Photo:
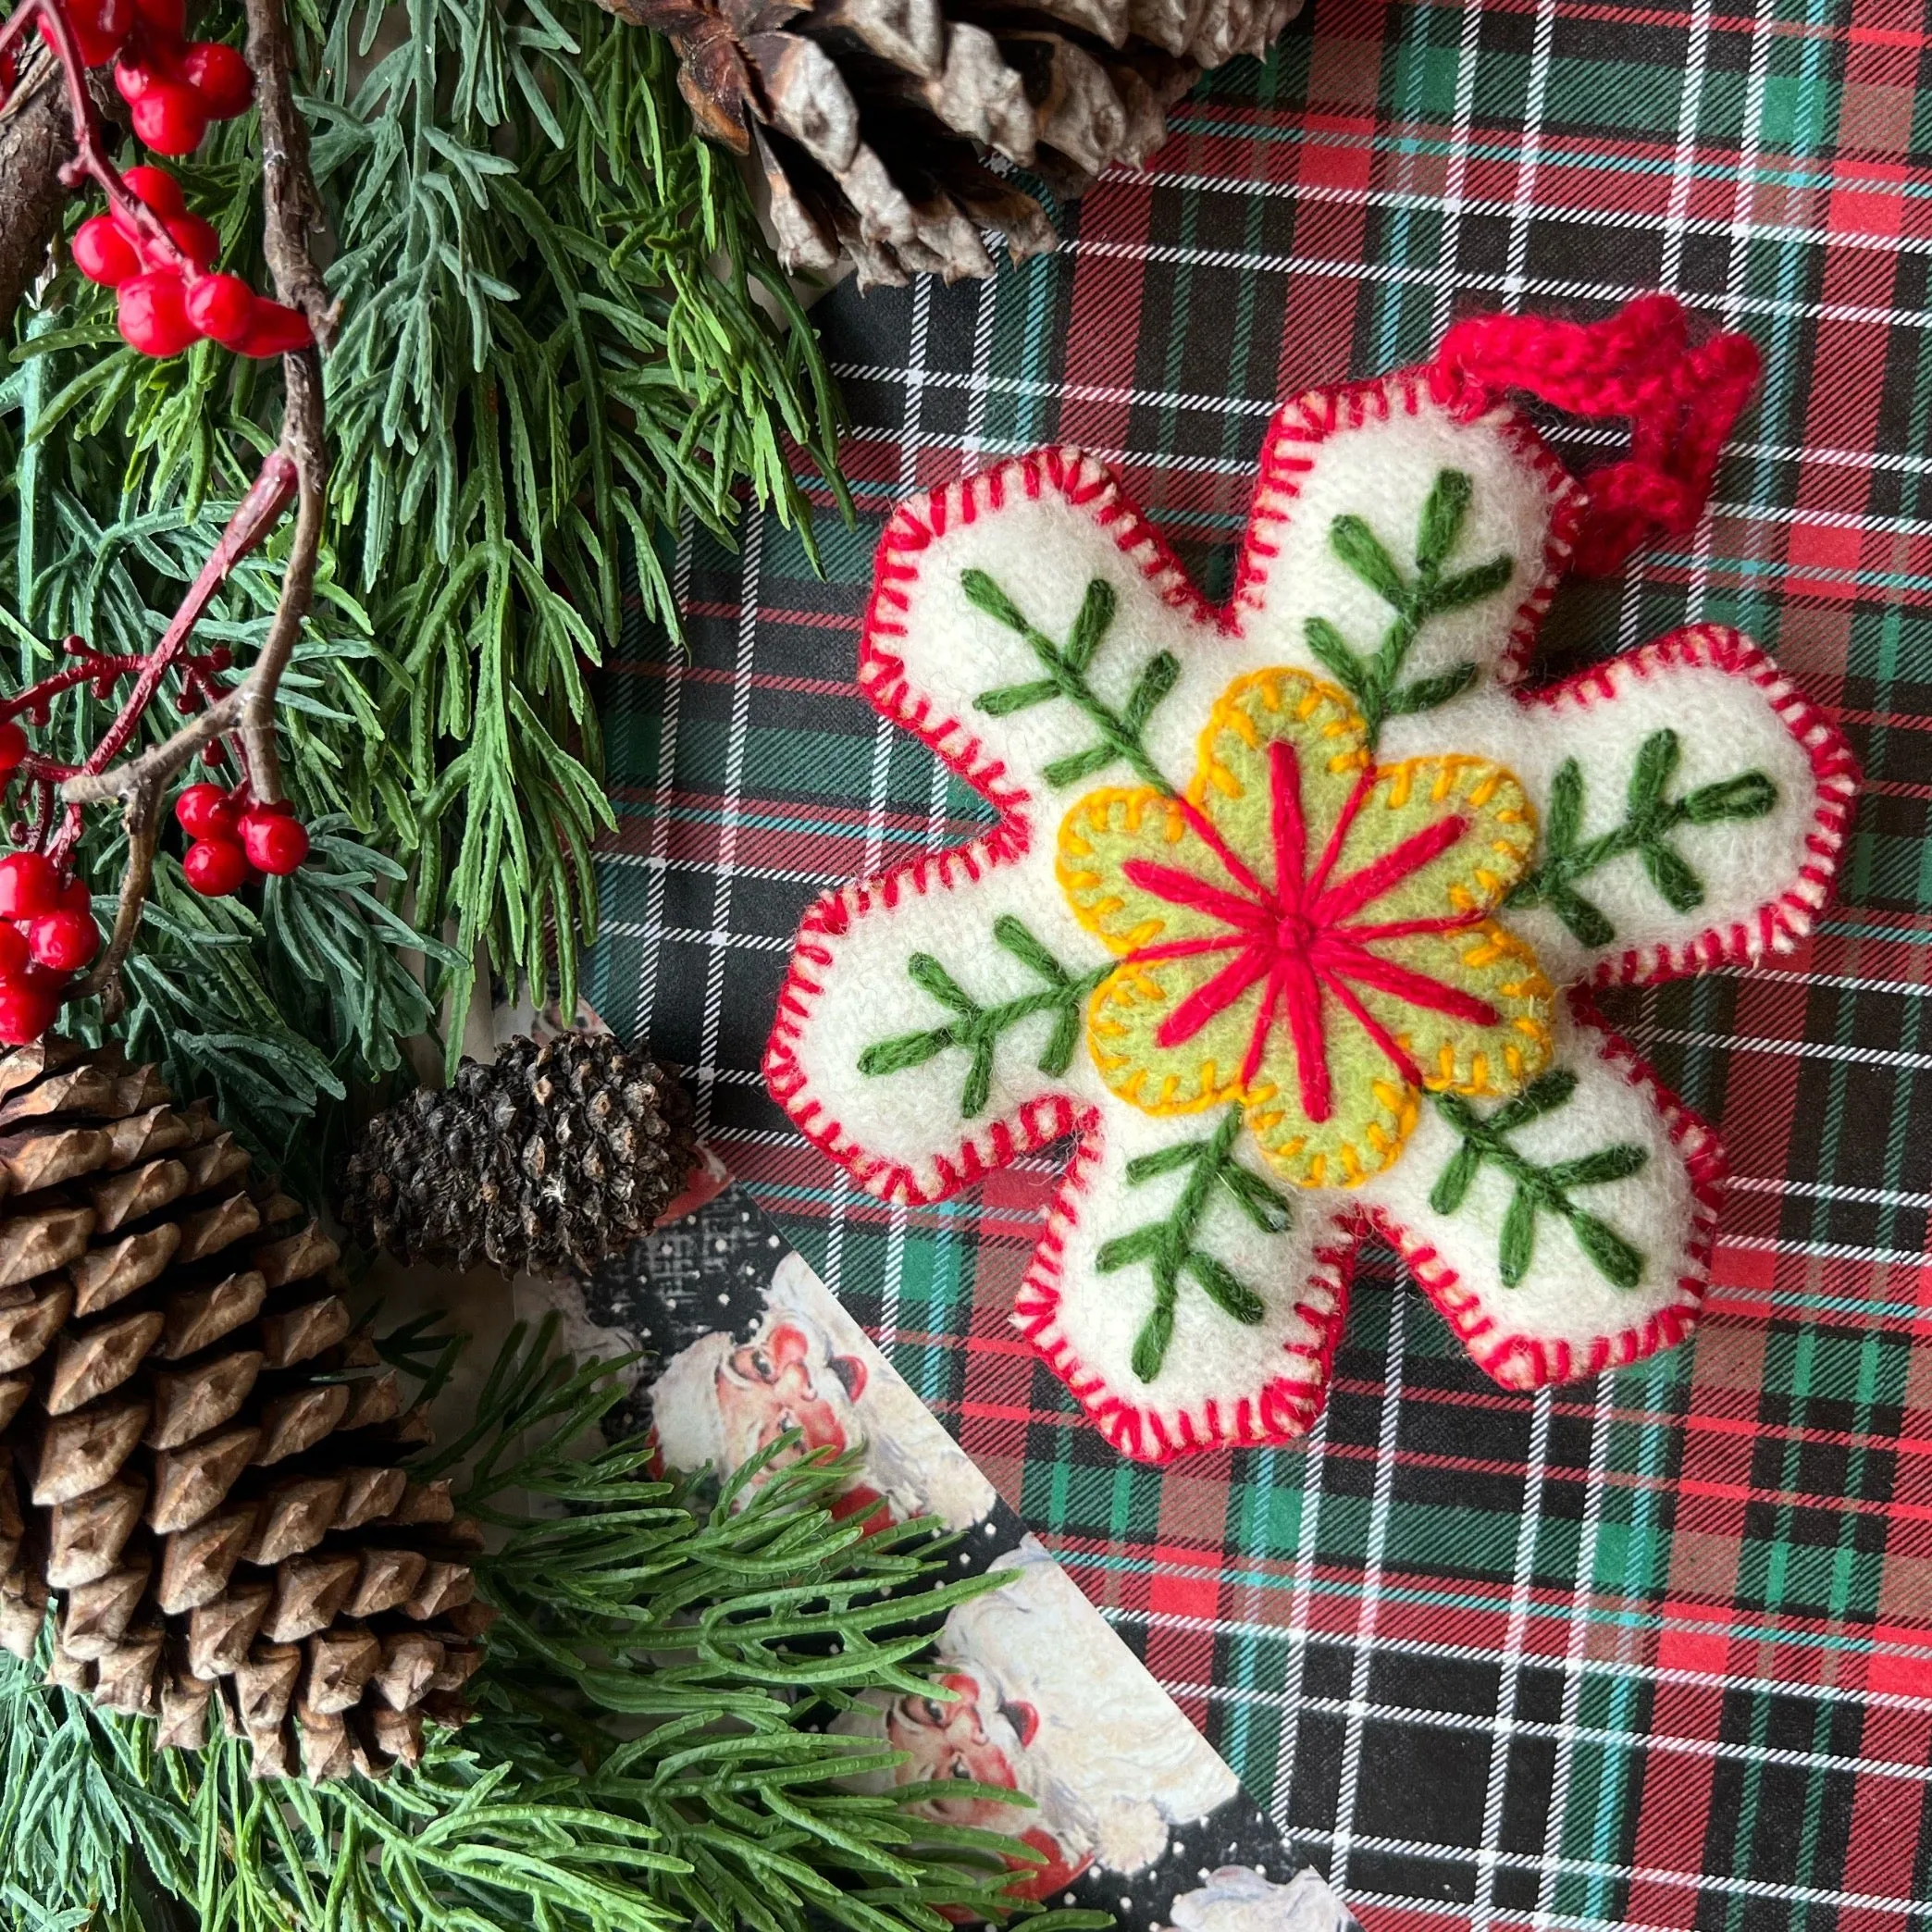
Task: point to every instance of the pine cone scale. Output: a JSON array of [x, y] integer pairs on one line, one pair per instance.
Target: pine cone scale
[[106, 1275], [36, 1244], [31, 1323], [80, 1451], [190, 1482]]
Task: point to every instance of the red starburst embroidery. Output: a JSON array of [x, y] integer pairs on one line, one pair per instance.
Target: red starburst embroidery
[[1302, 940]]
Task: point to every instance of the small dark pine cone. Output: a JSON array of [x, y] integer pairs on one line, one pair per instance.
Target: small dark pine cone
[[548, 1160]]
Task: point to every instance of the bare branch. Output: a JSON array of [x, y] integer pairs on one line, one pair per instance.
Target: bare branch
[[256, 517], [302, 440], [143, 829], [291, 207]]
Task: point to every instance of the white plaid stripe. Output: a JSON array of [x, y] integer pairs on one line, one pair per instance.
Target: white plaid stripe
[[1574, 1656], [666, 776], [1369, 1606], [1308, 1531], [707, 1070]]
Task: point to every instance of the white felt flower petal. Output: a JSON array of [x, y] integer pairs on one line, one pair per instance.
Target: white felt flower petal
[[1258, 1294], [977, 943], [1691, 803], [1569, 1230], [1370, 457], [1030, 625]]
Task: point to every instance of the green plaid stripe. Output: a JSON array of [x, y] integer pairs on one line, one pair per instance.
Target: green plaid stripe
[[1656, 1650]]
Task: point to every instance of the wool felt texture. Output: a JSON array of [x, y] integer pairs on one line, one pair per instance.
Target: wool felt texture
[[1277, 911]]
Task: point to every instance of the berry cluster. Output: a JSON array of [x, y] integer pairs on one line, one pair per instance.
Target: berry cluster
[[47, 931], [173, 86], [234, 842], [165, 308], [47, 934]]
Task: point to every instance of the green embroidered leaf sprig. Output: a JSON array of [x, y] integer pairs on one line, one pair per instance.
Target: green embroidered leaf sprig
[[1539, 1190], [1651, 815], [1167, 1246], [1066, 667], [978, 1028], [1372, 681]]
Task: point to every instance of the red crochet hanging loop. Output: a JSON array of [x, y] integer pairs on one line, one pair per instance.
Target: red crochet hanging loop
[[1680, 402]]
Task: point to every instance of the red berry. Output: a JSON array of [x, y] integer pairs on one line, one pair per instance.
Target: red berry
[[170, 117], [170, 16], [13, 950], [215, 867], [13, 747], [158, 188], [275, 330], [63, 941], [27, 1009], [76, 897], [114, 20], [153, 315], [220, 76], [273, 839], [206, 811], [98, 28], [222, 306], [95, 49], [133, 78], [29, 886], [102, 254], [195, 237]]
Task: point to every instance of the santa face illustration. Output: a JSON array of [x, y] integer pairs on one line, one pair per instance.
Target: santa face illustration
[[772, 1383], [976, 1737], [948, 1741]]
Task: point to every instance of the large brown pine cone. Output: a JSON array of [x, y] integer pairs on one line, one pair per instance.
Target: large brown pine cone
[[551, 1157], [872, 119], [216, 1504]]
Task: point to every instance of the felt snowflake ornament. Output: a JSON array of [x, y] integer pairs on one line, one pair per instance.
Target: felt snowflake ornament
[[1289, 907]]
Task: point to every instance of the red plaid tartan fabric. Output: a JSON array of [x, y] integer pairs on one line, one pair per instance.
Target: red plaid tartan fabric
[[1655, 1650]]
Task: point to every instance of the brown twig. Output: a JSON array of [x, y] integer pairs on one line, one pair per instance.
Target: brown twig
[[143, 822], [289, 200], [256, 517]]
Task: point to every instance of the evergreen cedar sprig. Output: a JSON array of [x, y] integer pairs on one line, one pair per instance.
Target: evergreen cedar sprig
[[547, 369], [1372, 681], [1538, 1189], [551, 365], [1650, 817], [724, 1633], [978, 1028], [1167, 1246], [294, 470]]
